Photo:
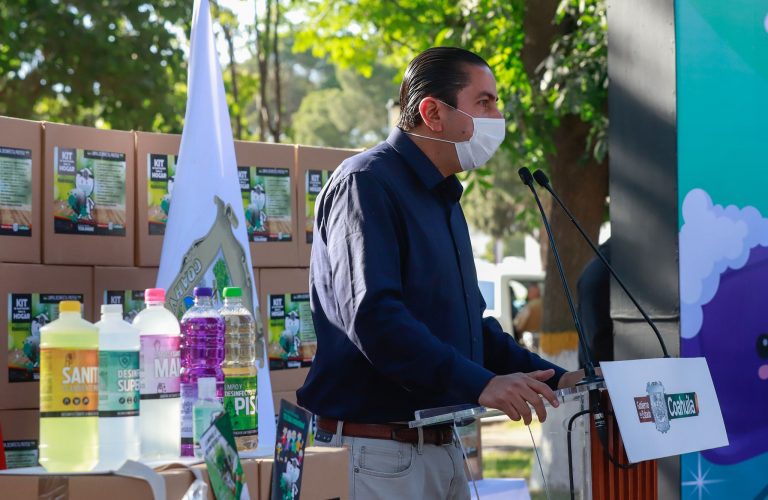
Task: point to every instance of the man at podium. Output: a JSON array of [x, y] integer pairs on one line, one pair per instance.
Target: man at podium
[[394, 293]]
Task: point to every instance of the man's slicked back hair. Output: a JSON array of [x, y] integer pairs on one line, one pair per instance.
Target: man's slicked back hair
[[439, 72]]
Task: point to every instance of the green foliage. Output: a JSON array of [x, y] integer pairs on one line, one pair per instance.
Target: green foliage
[[571, 80], [111, 63], [351, 115]]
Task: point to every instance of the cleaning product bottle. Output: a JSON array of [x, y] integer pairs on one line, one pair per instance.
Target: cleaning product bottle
[[69, 392], [202, 351], [240, 382], [118, 389], [205, 410], [159, 369]]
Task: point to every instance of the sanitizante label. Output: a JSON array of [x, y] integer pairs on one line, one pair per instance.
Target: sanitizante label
[[69, 382]]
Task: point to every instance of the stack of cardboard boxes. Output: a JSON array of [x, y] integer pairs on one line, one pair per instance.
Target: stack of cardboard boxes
[[82, 216]]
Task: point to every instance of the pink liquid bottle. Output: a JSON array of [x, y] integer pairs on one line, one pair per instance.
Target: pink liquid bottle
[[202, 352]]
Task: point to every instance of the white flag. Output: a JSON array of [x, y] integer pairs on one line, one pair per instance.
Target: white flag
[[205, 240]]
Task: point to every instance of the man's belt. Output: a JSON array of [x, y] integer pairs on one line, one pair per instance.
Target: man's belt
[[437, 434]]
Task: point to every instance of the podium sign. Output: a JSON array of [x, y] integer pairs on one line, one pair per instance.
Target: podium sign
[[665, 406]]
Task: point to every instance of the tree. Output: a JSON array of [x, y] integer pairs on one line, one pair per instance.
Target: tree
[[112, 63], [351, 115], [549, 58]]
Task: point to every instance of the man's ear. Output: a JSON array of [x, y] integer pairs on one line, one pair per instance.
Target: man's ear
[[430, 111]]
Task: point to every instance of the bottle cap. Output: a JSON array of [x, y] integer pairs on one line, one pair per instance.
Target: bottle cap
[[112, 309], [232, 291], [203, 291], [206, 388], [69, 306], [154, 295]]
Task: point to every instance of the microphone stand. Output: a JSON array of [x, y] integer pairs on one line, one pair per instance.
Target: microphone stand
[[543, 181], [589, 369]]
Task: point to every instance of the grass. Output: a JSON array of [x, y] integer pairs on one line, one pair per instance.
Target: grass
[[510, 464]]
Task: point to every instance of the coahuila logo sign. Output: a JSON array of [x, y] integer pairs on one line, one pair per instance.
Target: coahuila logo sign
[[659, 407]]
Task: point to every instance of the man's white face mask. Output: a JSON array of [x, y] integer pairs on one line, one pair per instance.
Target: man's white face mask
[[487, 136]]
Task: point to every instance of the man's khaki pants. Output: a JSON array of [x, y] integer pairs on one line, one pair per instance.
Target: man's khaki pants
[[386, 469]]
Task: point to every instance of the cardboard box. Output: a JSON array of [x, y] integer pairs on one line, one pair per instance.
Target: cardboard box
[[288, 380], [177, 481], [287, 320], [314, 166], [124, 286], [277, 396], [20, 171], [156, 157], [30, 294], [267, 174], [325, 474], [21, 431], [88, 196]]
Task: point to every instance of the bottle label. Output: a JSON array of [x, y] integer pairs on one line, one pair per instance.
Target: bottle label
[[240, 403], [69, 382], [118, 383], [188, 400], [159, 366]]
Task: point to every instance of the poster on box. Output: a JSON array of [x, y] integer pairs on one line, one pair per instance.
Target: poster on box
[[292, 339], [20, 453], [15, 192], [314, 182], [89, 192], [292, 432], [161, 172], [266, 196], [222, 461], [131, 300], [27, 314]]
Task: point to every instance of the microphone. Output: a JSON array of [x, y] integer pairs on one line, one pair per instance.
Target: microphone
[[543, 181], [589, 368]]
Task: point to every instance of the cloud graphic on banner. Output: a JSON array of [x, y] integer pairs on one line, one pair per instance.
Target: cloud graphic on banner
[[713, 239]]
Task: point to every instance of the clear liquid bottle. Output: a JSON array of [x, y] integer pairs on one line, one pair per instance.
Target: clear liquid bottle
[[240, 374], [69, 392], [159, 370], [205, 410], [202, 351], [119, 389]]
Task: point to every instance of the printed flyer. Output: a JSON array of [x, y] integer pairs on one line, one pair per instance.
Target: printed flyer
[[292, 339], [222, 461], [15, 192], [161, 171], [267, 201], [89, 192], [313, 184], [292, 432], [27, 314]]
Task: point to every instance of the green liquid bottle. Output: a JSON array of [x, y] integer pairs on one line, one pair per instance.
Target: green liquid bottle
[[239, 367], [69, 392]]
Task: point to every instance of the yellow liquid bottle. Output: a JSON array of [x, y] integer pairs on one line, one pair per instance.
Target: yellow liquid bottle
[[69, 392]]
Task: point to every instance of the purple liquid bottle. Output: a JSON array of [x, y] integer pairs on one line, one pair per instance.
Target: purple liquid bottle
[[202, 351]]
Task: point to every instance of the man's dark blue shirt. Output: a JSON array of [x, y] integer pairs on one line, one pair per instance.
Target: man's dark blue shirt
[[394, 294]]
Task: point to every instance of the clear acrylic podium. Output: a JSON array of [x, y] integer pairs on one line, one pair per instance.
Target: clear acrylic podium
[[592, 474]]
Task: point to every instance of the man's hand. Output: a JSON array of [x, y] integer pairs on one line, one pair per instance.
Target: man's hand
[[569, 379], [514, 392]]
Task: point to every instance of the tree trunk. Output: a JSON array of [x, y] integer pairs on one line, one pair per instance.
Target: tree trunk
[[583, 188], [233, 74], [277, 129], [261, 57]]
